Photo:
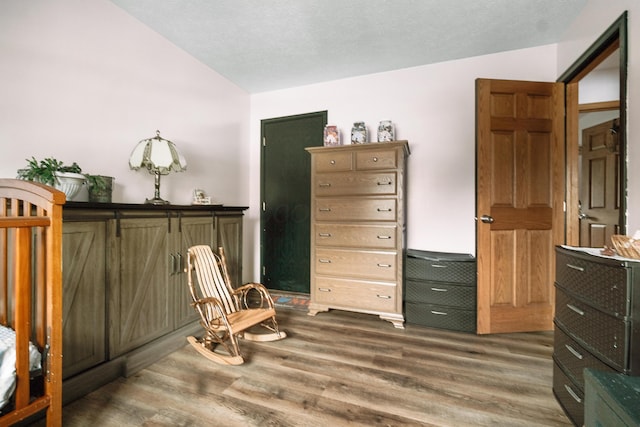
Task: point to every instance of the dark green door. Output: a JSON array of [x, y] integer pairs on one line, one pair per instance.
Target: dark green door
[[285, 199]]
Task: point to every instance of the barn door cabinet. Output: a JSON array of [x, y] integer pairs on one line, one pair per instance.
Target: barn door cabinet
[[126, 299], [358, 228]]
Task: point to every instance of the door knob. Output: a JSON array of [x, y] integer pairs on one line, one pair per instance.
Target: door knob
[[487, 219]]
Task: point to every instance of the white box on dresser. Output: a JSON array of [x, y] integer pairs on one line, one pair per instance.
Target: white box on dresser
[[358, 228]]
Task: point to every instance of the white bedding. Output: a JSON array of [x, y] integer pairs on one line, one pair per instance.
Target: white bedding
[[8, 363]]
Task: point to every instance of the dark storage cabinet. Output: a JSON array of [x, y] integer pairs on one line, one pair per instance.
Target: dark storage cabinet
[[597, 324], [440, 290]]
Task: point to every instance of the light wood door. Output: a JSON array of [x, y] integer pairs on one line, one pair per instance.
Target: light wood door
[[520, 194], [599, 184]]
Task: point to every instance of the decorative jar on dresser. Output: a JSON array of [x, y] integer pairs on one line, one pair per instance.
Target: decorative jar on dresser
[[597, 322], [358, 228]]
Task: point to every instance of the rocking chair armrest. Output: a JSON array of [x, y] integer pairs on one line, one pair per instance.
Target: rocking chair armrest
[[243, 291], [208, 300]]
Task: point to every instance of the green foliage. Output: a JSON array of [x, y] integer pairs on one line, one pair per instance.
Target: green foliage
[[96, 182], [44, 170]]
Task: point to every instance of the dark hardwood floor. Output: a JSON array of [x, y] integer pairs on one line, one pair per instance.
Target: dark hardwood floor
[[340, 368]]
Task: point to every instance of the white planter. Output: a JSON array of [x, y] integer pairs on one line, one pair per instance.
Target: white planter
[[69, 183]]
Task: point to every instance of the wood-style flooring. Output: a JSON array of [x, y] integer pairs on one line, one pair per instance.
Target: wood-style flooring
[[341, 369]]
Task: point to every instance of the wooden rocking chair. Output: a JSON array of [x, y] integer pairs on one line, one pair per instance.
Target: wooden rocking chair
[[226, 313]]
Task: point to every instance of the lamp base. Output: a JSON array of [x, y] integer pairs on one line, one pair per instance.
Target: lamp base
[[156, 201]]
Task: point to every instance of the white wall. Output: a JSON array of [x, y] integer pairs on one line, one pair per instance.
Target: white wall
[[592, 22], [433, 108], [80, 80]]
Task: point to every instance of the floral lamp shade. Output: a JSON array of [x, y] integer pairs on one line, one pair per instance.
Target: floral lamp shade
[[159, 156]]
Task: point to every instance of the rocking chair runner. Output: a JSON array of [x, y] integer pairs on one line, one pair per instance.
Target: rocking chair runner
[[226, 313]]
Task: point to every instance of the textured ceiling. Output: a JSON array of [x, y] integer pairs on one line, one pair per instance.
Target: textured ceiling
[[263, 45]]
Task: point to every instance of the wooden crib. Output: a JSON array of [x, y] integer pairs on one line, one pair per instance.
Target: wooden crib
[[31, 293]]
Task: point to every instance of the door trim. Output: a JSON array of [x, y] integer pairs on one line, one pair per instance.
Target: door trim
[[614, 37]]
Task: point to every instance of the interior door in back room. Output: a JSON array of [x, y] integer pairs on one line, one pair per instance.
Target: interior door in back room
[[285, 195]]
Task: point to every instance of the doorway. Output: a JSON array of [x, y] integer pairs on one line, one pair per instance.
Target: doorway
[[285, 196], [610, 50]]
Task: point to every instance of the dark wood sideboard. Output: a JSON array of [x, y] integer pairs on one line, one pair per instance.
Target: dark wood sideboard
[[126, 300]]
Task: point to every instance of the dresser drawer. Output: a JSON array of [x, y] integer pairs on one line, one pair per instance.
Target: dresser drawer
[[355, 209], [600, 333], [356, 294], [440, 266], [453, 295], [354, 235], [604, 286], [376, 159], [574, 358], [333, 162], [371, 265], [569, 396], [355, 183], [437, 316]]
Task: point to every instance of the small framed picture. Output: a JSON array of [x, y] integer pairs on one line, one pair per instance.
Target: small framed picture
[[331, 135], [200, 197]]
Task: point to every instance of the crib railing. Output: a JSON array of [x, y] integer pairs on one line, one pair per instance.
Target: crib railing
[[31, 290]]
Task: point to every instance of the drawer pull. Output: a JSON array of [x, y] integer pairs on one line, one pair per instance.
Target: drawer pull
[[575, 267], [324, 261], [384, 265], [324, 234], [385, 183], [438, 266], [325, 209], [573, 351], [375, 159], [324, 184], [573, 394], [384, 296], [439, 290], [324, 289], [332, 162], [576, 309], [384, 237], [384, 210], [439, 313]]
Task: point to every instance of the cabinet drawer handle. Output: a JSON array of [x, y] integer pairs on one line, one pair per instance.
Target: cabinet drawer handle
[[573, 394], [332, 162], [324, 289], [439, 290], [438, 266], [375, 159], [324, 234], [385, 183], [181, 268], [575, 267], [325, 209], [384, 237], [384, 265], [573, 351], [173, 264], [439, 313], [324, 261], [384, 296], [324, 184], [576, 309], [384, 209]]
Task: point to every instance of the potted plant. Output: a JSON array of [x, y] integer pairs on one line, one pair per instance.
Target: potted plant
[[99, 188], [55, 173]]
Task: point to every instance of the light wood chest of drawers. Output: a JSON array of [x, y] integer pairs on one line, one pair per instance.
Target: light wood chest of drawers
[[358, 228]]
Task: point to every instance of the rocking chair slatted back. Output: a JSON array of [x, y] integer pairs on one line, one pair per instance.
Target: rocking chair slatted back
[[211, 275]]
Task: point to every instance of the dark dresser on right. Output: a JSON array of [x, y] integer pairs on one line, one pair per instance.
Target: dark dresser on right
[[597, 322]]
